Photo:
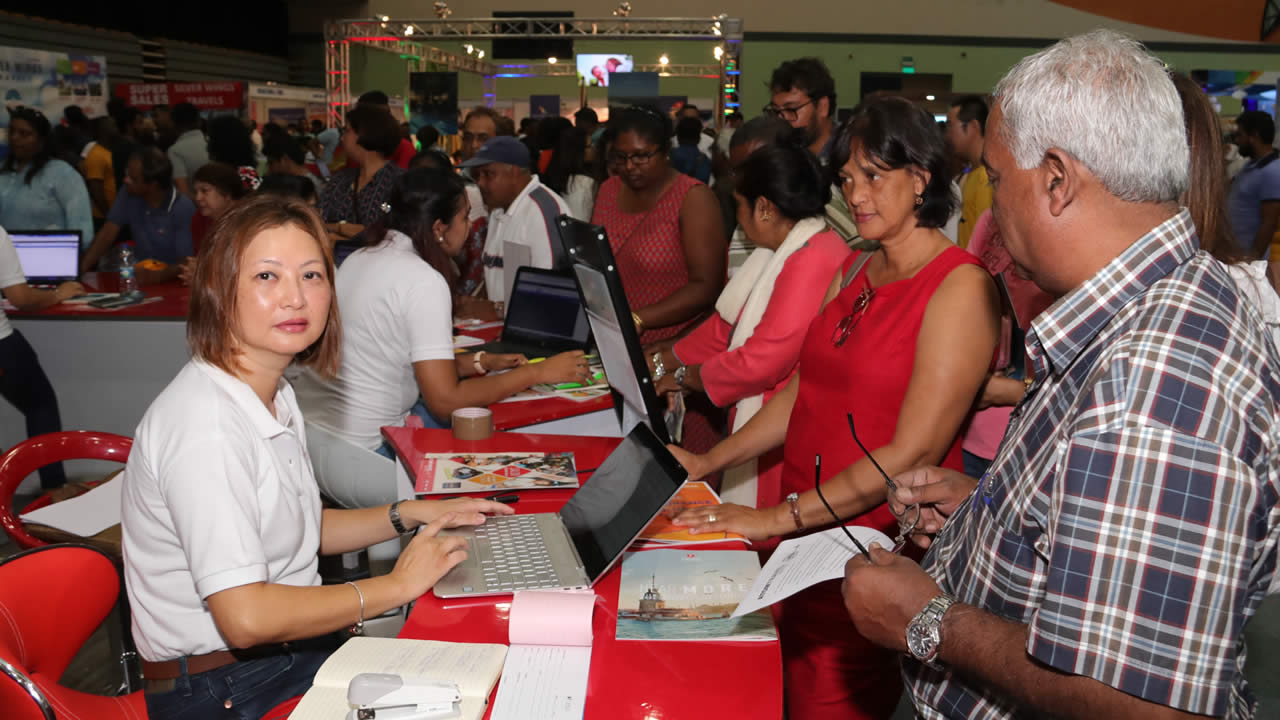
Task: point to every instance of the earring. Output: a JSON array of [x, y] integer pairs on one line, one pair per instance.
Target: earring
[[919, 200], [440, 239]]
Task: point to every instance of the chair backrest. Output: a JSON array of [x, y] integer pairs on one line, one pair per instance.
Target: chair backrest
[[52, 598], [350, 475], [34, 453]]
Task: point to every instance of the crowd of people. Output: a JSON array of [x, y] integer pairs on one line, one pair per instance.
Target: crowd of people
[[1035, 345]]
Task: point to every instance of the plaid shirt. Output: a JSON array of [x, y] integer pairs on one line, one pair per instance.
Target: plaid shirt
[[1130, 515]]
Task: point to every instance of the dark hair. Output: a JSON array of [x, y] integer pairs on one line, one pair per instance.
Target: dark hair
[[504, 125], [418, 199], [734, 115], [155, 166], [586, 114], [789, 176], [897, 134], [808, 75], [1257, 124], [128, 116], [271, 132], [375, 128], [75, 116], [230, 142], [316, 127], [972, 107], [549, 130], [526, 123], [428, 135], [482, 111], [1206, 194], [690, 106], [211, 319], [433, 158], [223, 177], [374, 97], [282, 147], [764, 129], [285, 185], [186, 116], [688, 131], [568, 158], [649, 124], [40, 125], [104, 131]]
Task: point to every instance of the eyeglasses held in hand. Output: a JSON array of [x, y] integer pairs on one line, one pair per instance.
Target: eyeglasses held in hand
[[850, 321], [910, 516], [817, 487]]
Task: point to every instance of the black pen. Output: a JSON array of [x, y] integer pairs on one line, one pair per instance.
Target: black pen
[[508, 498]]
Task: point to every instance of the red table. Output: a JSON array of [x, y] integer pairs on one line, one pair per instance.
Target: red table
[[171, 305], [515, 415], [629, 679]]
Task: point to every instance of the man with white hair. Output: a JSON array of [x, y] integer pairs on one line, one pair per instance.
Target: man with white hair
[[1106, 564]]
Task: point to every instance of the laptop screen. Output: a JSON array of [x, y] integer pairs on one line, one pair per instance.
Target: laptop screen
[[545, 306], [48, 256], [622, 497]]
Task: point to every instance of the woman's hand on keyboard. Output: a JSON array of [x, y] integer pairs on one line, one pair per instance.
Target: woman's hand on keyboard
[[466, 511], [427, 557]]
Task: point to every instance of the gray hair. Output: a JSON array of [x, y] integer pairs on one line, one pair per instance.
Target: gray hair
[[1102, 98]]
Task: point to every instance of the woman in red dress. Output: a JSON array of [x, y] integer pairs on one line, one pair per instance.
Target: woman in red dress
[[747, 350], [667, 238], [904, 344]]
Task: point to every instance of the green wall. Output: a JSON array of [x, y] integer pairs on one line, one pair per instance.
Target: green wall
[[974, 68]]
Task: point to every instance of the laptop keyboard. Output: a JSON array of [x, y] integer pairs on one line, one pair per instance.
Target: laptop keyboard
[[513, 555]]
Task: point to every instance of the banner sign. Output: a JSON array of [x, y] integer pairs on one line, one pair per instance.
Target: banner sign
[[544, 106], [204, 95], [51, 81], [433, 100]]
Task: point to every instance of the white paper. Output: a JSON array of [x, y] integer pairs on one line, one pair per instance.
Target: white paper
[[84, 515], [476, 324], [803, 562], [465, 341], [543, 681]]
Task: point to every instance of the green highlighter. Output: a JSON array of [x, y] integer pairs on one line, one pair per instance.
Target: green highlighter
[[595, 379]]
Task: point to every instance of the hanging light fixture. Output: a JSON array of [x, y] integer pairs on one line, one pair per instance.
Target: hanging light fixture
[[552, 60], [624, 9], [479, 54], [718, 52], [664, 60], [408, 30], [442, 9]]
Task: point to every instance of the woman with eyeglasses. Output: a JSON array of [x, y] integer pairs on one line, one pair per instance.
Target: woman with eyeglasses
[[747, 350], [37, 190], [667, 238], [903, 346]]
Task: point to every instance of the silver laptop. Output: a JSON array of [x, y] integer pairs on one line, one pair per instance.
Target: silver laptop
[[575, 547]]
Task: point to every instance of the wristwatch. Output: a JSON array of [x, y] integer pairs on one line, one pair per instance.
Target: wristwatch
[[680, 373], [394, 512], [658, 368], [923, 636]]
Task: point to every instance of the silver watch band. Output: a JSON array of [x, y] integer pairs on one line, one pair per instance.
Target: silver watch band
[[394, 513]]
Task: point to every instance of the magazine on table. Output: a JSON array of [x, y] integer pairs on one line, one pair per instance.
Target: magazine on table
[[476, 472], [663, 532], [690, 595]]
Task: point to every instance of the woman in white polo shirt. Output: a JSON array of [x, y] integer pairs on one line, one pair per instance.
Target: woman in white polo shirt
[[396, 300], [221, 515]]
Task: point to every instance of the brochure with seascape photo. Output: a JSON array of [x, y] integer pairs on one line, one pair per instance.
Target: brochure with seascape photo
[[477, 472], [690, 595]]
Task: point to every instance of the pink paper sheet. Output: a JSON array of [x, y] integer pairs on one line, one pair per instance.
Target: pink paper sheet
[[551, 617]]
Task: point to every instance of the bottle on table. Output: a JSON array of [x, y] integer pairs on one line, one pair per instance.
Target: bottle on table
[[128, 281]]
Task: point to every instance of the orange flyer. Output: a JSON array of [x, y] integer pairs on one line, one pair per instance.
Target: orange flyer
[[692, 494]]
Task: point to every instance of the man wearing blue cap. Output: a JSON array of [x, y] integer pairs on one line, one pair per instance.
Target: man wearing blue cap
[[521, 210]]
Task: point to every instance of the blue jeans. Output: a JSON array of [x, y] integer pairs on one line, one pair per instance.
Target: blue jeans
[[974, 466], [252, 687], [428, 421]]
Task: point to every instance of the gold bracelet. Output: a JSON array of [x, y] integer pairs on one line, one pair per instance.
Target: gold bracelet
[[638, 322]]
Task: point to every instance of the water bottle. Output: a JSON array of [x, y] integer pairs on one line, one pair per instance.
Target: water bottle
[[128, 282]]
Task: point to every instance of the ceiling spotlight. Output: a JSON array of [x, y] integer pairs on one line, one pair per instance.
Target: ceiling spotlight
[[718, 52], [408, 30], [385, 18], [442, 9], [930, 98], [552, 60], [469, 48], [624, 9], [664, 59], [479, 54]]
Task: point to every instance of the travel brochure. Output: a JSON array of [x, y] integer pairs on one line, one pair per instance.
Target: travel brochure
[[663, 532], [476, 472], [690, 595]]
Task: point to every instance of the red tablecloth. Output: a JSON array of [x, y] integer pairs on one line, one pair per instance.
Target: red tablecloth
[[629, 679], [173, 298]]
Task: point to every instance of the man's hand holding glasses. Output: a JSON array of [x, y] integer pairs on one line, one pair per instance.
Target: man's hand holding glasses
[[936, 491]]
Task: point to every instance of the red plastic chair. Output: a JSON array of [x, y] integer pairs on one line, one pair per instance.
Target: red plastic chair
[[51, 600], [30, 455]]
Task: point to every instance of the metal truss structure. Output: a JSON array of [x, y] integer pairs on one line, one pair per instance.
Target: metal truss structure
[[413, 41]]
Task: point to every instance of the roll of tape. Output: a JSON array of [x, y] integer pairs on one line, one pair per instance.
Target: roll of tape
[[472, 423]]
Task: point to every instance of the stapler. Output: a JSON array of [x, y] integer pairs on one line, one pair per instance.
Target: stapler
[[382, 696]]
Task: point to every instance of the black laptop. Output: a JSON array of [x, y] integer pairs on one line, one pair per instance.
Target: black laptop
[[544, 316]]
